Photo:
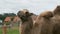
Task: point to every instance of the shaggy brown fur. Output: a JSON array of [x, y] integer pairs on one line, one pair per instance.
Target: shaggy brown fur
[[27, 22], [57, 10], [46, 23], [45, 15], [43, 24], [56, 21]]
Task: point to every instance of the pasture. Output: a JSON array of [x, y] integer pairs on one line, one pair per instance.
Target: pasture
[[11, 31]]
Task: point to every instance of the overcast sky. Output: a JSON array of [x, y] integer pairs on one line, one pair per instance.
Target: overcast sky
[[35, 6]]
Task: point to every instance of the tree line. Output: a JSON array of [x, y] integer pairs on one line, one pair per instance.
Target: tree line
[[3, 16]]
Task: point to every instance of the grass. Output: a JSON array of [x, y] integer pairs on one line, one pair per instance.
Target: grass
[[10, 31], [0, 30]]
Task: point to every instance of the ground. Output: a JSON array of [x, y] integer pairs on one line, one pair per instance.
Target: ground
[[10, 31]]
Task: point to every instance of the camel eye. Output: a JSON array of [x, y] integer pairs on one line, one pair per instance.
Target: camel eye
[[26, 12]]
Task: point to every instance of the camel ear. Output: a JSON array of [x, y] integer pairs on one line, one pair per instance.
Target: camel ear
[[28, 14], [47, 14]]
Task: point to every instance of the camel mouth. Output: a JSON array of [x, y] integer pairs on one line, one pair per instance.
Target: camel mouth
[[24, 18]]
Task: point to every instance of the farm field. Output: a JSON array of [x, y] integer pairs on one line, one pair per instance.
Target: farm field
[[10, 31]]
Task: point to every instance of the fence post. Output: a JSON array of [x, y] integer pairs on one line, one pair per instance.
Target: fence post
[[4, 29]]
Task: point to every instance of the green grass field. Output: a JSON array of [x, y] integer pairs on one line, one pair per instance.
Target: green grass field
[[10, 31], [0, 30]]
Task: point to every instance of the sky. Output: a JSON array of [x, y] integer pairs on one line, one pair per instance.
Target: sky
[[34, 6]]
